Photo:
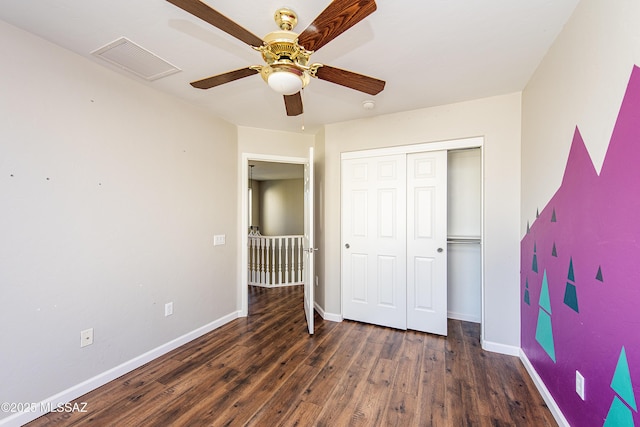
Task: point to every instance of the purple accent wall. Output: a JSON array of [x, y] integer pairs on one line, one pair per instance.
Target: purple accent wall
[[597, 226]]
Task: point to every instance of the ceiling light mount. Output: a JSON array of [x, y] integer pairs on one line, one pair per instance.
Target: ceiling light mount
[[369, 104], [286, 19]]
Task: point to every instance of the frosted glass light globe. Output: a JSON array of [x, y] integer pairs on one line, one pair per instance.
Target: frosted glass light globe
[[284, 82]]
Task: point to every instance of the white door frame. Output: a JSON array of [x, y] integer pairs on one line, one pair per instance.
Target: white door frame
[[455, 144], [243, 291]]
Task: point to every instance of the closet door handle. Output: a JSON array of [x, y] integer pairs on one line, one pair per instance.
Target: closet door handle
[[440, 250], [346, 245]]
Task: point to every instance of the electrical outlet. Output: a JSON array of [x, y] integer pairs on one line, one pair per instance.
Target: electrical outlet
[[580, 385], [168, 309], [86, 337], [219, 239]]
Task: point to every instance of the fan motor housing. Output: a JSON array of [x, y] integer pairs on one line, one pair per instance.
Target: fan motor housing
[[282, 46]]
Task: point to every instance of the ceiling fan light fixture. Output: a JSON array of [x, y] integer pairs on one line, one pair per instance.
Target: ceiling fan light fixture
[[285, 81]]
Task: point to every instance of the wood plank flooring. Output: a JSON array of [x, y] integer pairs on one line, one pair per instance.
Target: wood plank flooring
[[265, 370]]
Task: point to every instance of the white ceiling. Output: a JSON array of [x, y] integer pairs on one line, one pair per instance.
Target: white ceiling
[[430, 52]]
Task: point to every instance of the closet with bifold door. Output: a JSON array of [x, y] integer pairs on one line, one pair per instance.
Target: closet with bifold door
[[395, 237]]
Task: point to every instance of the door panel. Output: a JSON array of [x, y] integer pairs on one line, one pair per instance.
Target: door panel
[[387, 275], [424, 206], [387, 213], [373, 230], [359, 208], [423, 270], [308, 243], [359, 278], [427, 242]]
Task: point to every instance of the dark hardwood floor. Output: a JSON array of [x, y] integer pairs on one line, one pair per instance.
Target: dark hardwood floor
[[265, 370]]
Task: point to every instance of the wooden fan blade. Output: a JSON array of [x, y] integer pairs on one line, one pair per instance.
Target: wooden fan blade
[[350, 79], [338, 17], [215, 18], [293, 104], [214, 81]]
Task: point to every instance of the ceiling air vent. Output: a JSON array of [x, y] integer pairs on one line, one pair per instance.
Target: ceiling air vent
[[129, 56]]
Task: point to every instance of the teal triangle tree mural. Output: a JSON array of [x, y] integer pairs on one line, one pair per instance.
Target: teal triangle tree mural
[[599, 274], [570, 292], [621, 382], [571, 276], [620, 411], [534, 264], [544, 330], [545, 300], [619, 415], [526, 292]]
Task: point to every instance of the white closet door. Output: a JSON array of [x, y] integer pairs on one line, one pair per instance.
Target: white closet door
[[374, 240], [427, 242]]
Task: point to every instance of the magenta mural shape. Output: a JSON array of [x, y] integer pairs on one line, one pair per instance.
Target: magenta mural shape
[[589, 227]]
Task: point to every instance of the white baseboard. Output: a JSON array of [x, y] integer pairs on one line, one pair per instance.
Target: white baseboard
[[463, 317], [544, 391], [332, 317], [21, 418], [495, 347]]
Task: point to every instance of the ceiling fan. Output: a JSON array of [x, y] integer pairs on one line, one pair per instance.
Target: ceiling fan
[[286, 54]]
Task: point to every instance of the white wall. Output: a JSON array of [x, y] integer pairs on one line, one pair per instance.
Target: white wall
[[282, 207], [498, 120], [274, 142], [111, 193], [580, 82]]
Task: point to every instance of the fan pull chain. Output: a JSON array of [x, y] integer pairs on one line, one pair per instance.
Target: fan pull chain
[[302, 100]]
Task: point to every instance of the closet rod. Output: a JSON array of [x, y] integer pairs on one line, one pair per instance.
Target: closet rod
[[463, 240]]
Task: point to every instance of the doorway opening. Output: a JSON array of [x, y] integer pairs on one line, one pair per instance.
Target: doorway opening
[[266, 168], [276, 223]]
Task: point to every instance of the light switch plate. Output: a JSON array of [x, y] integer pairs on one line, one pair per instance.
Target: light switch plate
[[219, 239]]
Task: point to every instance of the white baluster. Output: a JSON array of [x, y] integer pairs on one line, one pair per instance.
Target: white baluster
[[262, 260], [250, 263], [286, 260], [256, 265], [279, 260], [271, 277], [300, 257]]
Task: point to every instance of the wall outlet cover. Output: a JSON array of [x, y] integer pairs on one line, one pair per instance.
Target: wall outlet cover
[[86, 337], [580, 385]]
